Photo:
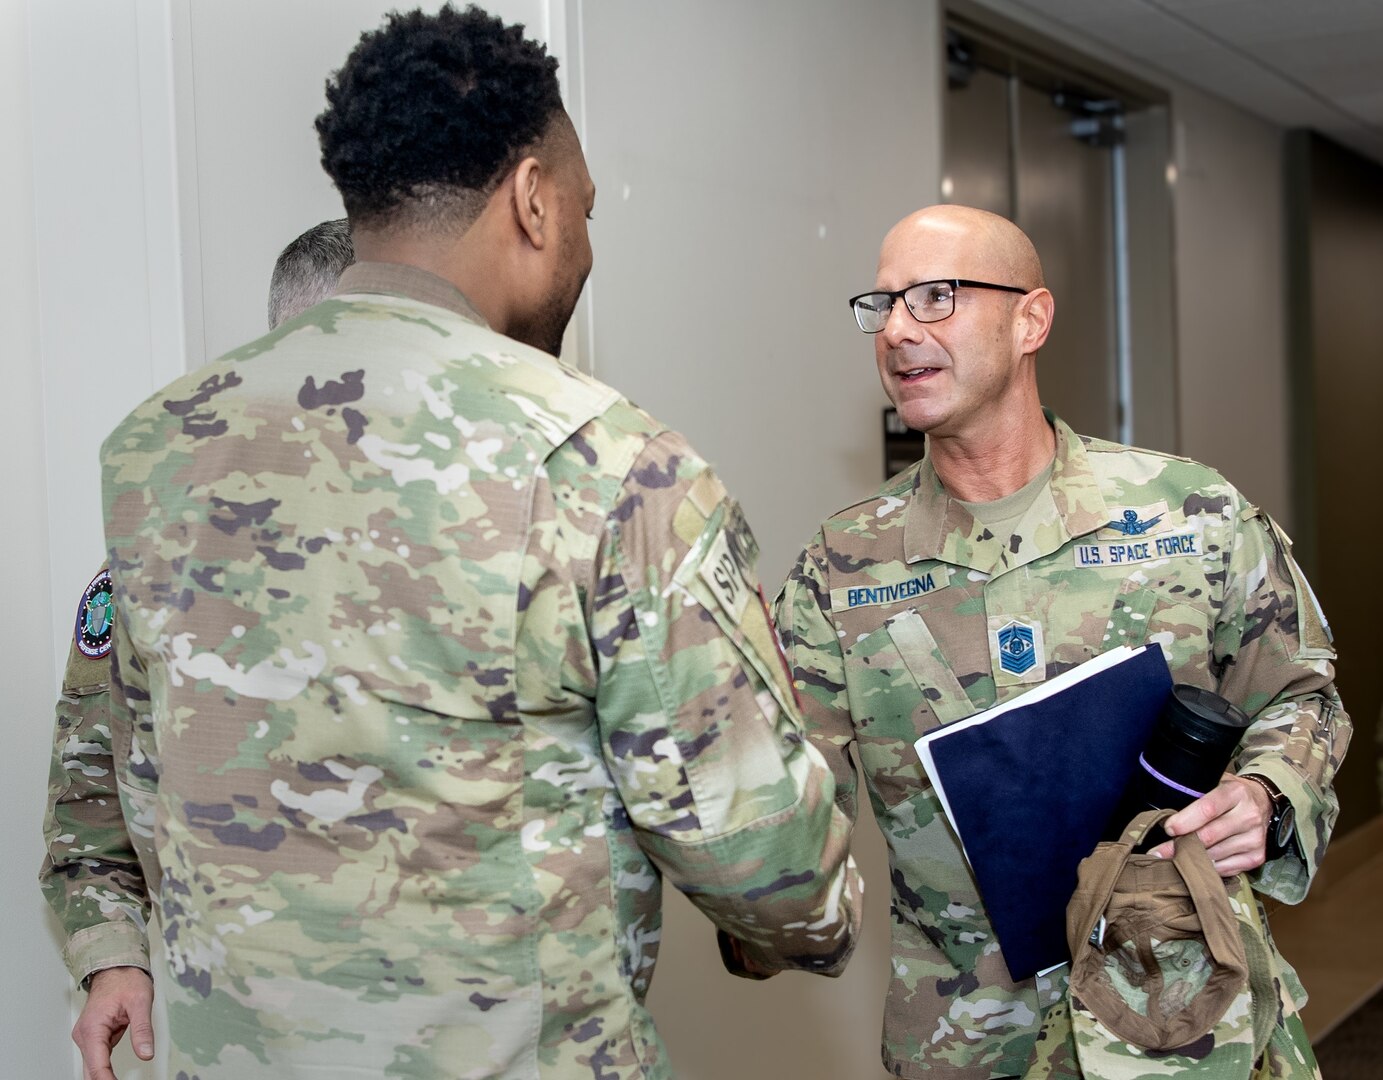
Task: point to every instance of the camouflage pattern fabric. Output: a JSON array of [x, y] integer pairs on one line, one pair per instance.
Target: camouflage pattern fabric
[[1288, 1053], [433, 657], [91, 875], [904, 613]]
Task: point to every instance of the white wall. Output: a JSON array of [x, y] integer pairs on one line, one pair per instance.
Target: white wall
[[108, 305], [33, 995]]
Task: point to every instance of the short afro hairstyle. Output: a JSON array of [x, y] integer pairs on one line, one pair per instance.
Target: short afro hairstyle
[[430, 112]]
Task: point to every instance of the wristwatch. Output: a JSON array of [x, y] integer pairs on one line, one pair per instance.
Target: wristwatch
[[1282, 821]]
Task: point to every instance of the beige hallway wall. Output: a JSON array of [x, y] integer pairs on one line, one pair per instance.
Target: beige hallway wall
[[1337, 215]]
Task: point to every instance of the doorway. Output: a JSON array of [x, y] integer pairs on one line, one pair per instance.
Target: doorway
[[1077, 158]]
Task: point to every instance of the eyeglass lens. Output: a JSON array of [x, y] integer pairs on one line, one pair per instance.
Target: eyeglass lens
[[928, 302]]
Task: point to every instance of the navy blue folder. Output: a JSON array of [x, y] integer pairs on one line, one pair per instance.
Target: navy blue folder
[[1029, 787]]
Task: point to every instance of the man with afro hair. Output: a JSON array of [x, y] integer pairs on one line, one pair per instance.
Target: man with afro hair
[[430, 116], [433, 657]]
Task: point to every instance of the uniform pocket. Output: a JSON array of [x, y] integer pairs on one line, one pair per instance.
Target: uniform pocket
[[900, 688], [139, 806], [934, 891]]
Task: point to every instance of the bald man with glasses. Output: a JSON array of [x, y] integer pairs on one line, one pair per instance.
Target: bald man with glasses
[[896, 617]]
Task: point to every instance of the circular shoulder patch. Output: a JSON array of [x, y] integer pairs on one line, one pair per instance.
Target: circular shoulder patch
[[95, 617]]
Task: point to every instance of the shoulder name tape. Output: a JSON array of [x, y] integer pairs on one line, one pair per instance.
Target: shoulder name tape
[[721, 571]]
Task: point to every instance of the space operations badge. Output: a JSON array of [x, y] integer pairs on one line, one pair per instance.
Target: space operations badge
[[95, 618], [909, 588]]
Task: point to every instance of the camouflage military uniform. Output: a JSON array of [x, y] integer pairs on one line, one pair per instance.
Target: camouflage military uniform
[[432, 658], [91, 876], [893, 620]]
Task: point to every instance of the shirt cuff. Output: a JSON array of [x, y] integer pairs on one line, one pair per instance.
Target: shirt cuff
[[106, 945], [1288, 877]]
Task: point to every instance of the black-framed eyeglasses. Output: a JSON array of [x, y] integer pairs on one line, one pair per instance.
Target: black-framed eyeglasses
[[927, 301]]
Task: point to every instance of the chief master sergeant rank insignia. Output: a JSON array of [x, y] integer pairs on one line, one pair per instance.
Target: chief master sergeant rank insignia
[[1017, 650], [1016, 654]]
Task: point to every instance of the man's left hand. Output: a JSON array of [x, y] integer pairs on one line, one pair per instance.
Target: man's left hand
[[1232, 823], [118, 998]]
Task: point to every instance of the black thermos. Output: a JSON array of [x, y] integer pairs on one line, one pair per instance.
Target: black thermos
[[1189, 748]]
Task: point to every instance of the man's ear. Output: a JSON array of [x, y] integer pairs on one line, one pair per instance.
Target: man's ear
[[1034, 320], [530, 201]]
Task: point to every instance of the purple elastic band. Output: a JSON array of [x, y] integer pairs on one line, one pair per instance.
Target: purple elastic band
[[1168, 780]]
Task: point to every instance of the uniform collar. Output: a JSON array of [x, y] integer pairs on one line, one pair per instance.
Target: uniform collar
[[939, 528], [398, 279]]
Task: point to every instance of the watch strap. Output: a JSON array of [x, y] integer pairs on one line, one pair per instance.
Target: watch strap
[[1275, 797], [1279, 805]]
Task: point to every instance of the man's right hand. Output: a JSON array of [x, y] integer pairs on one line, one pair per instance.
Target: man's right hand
[[118, 998]]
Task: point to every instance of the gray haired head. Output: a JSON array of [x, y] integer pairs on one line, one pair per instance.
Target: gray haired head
[[307, 269]]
